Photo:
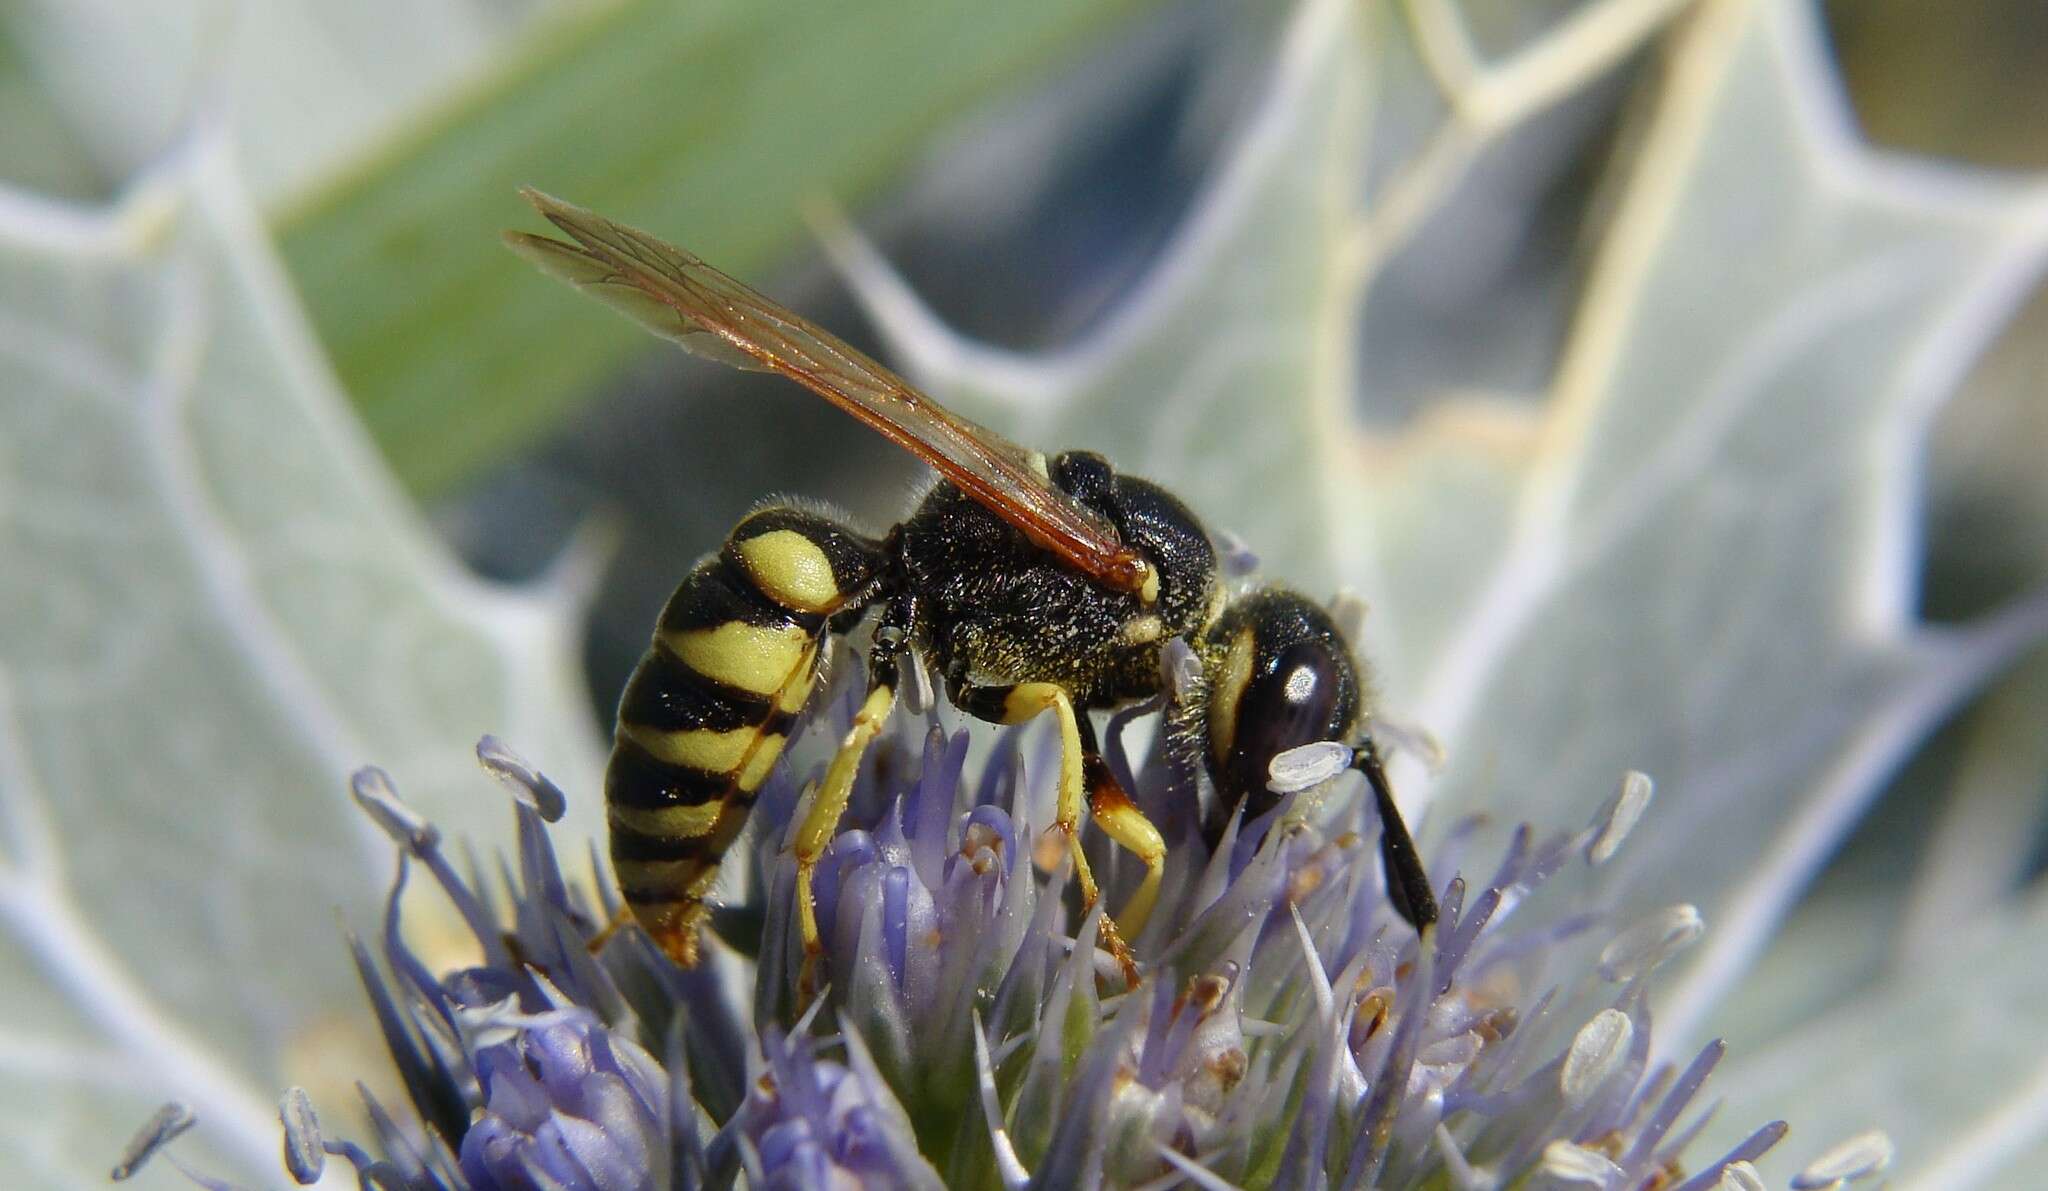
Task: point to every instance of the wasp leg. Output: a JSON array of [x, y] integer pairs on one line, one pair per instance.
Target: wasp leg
[[1019, 702], [1122, 821], [621, 919], [820, 819]]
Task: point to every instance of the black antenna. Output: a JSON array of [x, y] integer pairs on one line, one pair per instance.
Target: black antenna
[[1407, 885]]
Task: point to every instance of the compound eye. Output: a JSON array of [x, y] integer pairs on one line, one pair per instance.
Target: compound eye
[[1304, 698]]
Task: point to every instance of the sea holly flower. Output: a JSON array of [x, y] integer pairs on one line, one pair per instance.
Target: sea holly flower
[[1288, 1030]]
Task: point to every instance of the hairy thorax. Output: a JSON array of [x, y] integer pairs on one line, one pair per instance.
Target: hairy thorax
[[993, 608]]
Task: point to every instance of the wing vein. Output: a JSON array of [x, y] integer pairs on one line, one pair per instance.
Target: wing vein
[[677, 295]]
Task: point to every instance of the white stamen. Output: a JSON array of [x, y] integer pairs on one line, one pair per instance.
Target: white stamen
[[1740, 1176], [162, 1128], [1308, 766], [1455, 1051], [303, 1156], [1577, 1164], [1596, 1052], [379, 798], [1646, 945], [1627, 807], [1861, 1155], [528, 785]]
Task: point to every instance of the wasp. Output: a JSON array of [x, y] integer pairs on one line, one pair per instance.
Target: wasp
[[1032, 585]]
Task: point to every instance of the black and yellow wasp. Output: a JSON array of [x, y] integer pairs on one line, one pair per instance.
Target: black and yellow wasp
[[1032, 585]]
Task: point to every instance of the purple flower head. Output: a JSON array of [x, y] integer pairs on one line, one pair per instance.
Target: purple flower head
[[1288, 1028], [924, 914], [564, 1098], [811, 1122]]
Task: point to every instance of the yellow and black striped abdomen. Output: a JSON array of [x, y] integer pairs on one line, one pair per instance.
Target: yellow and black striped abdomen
[[710, 706]]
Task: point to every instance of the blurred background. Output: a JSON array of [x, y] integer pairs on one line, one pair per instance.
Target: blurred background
[[300, 470]]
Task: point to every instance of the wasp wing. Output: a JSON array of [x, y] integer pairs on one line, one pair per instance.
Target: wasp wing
[[677, 296]]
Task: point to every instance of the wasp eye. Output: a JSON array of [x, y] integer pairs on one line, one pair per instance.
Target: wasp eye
[[1305, 697]]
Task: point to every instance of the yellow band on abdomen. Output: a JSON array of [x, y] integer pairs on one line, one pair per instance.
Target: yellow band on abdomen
[[790, 569], [669, 822], [698, 748], [748, 657]]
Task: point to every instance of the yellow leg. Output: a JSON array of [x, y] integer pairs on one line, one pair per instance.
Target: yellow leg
[[1020, 703], [821, 819], [1122, 821]]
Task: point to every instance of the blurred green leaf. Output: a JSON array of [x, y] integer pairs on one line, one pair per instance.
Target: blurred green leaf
[[717, 121], [214, 604]]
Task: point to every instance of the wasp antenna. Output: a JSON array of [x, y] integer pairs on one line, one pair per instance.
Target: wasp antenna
[[1407, 883]]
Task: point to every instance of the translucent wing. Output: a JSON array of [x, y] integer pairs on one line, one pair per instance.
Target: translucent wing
[[679, 297]]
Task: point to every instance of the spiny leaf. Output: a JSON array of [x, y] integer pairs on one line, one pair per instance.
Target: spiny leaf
[[213, 606], [1945, 1054]]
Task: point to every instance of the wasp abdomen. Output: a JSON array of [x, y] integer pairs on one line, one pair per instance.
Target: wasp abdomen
[[709, 708]]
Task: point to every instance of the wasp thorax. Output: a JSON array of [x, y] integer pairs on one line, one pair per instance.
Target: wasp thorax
[[1085, 476], [1154, 522]]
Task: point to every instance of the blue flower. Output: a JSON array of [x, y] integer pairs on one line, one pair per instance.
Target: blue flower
[[810, 1122], [564, 1098], [1289, 1028]]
